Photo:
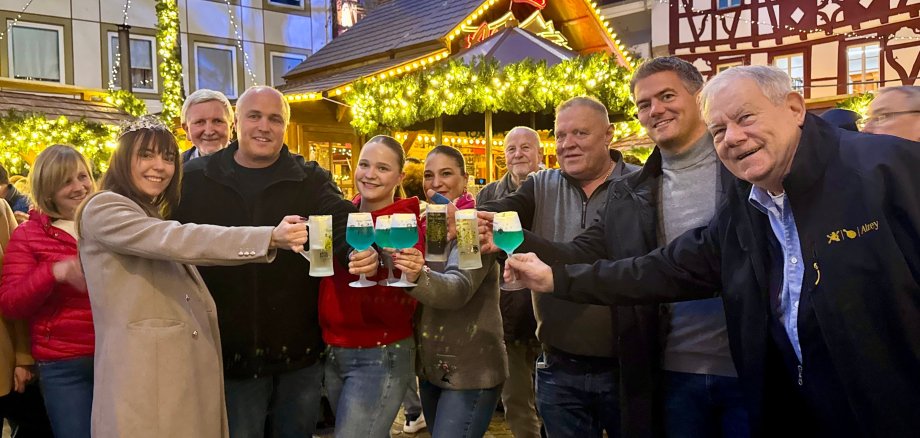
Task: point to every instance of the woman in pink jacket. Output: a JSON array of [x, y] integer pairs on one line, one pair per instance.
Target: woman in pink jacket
[[43, 283]]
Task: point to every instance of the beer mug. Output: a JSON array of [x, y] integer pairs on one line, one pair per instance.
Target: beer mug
[[320, 246], [468, 239], [436, 248]]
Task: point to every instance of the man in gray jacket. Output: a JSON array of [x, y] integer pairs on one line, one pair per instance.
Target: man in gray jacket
[[578, 377]]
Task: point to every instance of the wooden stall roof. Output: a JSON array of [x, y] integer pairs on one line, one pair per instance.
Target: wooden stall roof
[[55, 106]]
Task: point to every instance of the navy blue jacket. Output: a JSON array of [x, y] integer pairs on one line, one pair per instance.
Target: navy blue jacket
[[856, 201]]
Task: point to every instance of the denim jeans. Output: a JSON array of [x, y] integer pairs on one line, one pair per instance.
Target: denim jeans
[[411, 402], [701, 405], [67, 387], [292, 399], [518, 393], [458, 413], [366, 386], [578, 398]]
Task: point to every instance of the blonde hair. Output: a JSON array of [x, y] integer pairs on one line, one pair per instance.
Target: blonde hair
[[50, 172]]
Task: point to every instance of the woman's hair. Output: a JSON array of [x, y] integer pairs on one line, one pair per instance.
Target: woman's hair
[[50, 172], [159, 141], [414, 182], [452, 153], [396, 147]]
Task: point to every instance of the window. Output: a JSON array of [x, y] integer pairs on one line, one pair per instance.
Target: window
[[294, 3], [722, 67], [36, 52], [143, 73], [863, 67], [794, 66], [724, 4], [215, 68], [283, 63]]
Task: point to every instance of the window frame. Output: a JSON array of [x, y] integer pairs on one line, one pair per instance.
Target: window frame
[[271, 63], [44, 26], [849, 75], [233, 56], [154, 63], [788, 57], [728, 5]]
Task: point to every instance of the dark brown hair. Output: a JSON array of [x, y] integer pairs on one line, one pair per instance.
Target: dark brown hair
[[118, 177], [452, 153]]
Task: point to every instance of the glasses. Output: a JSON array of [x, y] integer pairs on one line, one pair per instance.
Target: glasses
[[882, 118]]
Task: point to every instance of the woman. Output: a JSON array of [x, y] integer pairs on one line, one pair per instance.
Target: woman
[[371, 353], [43, 284], [462, 355], [158, 361]]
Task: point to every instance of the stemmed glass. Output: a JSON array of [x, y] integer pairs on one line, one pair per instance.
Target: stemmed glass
[[508, 235], [360, 235], [403, 234], [382, 234]]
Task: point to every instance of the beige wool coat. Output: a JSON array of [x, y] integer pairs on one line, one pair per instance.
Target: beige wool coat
[[14, 334], [158, 370]]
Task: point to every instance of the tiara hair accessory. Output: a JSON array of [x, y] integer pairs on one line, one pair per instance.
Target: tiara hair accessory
[[143, 122]]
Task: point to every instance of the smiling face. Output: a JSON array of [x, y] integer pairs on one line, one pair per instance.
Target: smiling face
[[755, 138], [522, 153], [443, 175], [668, 111], [207, 125], [77, 186], [260, 127], [582, 138], [378, 173], [152, 170]]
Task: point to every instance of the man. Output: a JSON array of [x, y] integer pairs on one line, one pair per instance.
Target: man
[[578, 389], [895, 111], [207, 118], [267, 312], [817, 252], [523, 157]]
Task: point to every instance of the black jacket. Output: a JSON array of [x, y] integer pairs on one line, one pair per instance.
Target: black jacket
[[187, 155], [517, 306], [267, 312], [856, 202]]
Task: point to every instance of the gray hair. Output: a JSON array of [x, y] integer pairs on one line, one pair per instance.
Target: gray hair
[[526, 129], [586, 101], [204, 95], [774, 83], [911, 91], [684, 70], [285, 106]]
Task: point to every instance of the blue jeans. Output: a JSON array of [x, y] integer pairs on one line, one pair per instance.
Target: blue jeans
[[701, 405], [411, 403], [67, 387], [366, 386], [292, 398], [578, 397], [458, 413]]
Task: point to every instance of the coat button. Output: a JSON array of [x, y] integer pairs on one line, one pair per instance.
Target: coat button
[[240, 253], [195, 334], [187, 298]]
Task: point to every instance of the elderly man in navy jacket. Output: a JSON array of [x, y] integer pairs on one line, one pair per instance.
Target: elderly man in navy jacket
[[816, 247]]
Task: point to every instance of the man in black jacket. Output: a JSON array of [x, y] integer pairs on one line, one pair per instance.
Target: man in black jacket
[[267, 312], [816, 249]]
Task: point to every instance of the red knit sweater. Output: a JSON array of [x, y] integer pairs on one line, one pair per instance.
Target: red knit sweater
[[60, 316], [371, 316]]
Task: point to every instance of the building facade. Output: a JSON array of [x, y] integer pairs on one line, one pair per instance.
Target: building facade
[[226, 45]]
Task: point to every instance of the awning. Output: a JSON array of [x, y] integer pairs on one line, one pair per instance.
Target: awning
[[74, 109]]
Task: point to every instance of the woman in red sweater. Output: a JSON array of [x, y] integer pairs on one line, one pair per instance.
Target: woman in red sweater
[[42, 282], [371, 353]]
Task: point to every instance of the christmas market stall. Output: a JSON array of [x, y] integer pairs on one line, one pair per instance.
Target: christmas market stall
[[460, 72]]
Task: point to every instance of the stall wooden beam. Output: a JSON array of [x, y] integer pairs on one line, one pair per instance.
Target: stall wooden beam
[[490, 163]]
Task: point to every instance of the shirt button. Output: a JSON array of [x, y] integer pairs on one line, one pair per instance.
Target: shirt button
[[794, 260], [195, 334]]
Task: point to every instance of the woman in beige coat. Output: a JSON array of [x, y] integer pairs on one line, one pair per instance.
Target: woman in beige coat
[[158, 370]]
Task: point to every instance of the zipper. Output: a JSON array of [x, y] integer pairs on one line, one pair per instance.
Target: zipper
[[801, 380], [584, 213]]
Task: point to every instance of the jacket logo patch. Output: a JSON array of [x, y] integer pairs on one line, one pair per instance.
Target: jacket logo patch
[[848, 234]]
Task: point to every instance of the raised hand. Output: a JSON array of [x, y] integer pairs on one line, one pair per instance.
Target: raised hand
[[409, 261], [486, 244], [363, 262], [290, 234], [530, 271], [70, 271]]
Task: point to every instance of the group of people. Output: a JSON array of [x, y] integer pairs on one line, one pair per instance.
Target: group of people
[[664, 300]]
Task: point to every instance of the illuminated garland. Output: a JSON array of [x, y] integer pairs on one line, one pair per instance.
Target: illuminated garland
[[170, 62], [127, 102], [24, 135], [454, 87]]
